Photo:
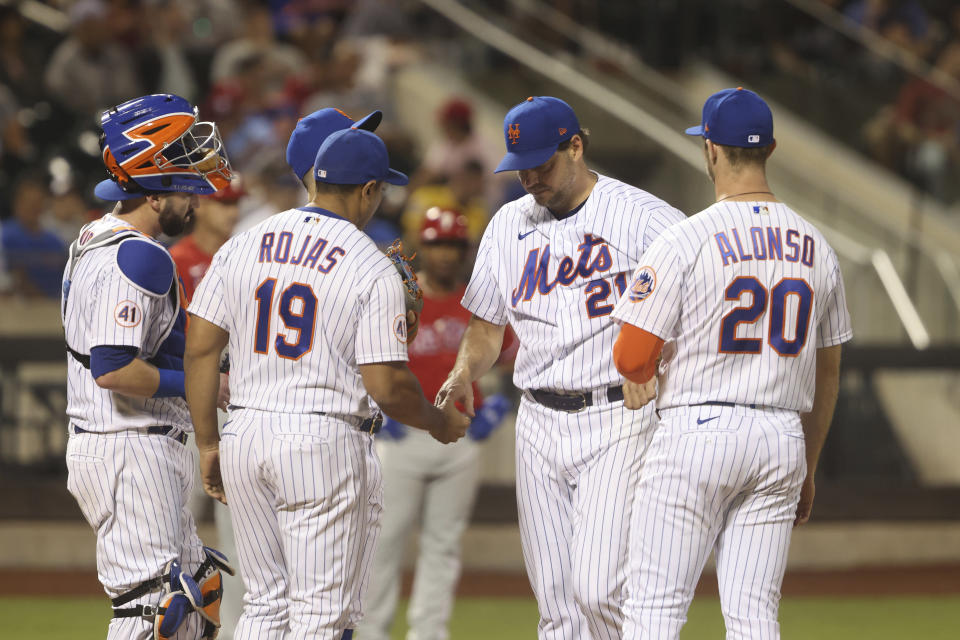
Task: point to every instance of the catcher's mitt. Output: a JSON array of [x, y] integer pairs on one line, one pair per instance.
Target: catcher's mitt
[[411, 287]]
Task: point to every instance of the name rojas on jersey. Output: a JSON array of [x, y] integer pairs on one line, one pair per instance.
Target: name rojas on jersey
[[555, 281], [306, 297]]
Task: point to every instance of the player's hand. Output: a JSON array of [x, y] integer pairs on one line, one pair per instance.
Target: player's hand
[[805, 506], [458, 391], [413, 325], [223, 395], [210, 473], [635, 396], [455, 424]]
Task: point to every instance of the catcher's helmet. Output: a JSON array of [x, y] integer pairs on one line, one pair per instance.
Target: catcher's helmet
[[443, 225], [230, 194], [156, 144]]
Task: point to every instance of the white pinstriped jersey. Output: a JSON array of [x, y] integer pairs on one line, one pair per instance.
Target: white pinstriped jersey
[[104, 308], [556, 281], [305, 297], [749, 291]]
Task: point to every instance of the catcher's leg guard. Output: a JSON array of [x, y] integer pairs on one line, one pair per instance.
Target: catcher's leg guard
[[173, 610], [217, 559], [211, 584]]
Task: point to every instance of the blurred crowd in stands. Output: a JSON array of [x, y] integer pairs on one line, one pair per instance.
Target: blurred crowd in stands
[[254, 67], [881, 75]]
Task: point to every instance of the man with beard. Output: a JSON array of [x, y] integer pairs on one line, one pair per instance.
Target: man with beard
[[551, 264], [124, 322]]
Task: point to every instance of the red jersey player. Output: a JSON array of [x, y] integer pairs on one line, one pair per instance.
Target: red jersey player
[[435, 484], [214, 219]]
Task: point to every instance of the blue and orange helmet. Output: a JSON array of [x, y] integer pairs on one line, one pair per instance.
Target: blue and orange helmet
[[157, 144]]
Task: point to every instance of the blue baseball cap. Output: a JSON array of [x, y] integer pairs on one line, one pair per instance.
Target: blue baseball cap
[[354, 156], [736, 118], [313, 129], [534, 129]]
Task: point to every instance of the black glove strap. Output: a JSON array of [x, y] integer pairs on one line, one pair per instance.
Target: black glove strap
[[140, 590]]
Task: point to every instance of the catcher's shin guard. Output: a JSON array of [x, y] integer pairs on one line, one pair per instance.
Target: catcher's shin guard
[[210, 582], [173, 610]]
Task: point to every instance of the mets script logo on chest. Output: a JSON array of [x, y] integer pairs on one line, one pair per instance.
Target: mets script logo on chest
[[536, 272]]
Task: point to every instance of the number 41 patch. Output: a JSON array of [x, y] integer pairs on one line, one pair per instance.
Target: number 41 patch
[[127, 314], [400, 327]]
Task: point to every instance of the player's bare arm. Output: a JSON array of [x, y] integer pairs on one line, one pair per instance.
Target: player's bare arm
[[816, 424], [201, 364], [479, 351], [398, 394], [138, 379]]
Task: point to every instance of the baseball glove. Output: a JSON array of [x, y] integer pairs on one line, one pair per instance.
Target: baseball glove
[[411, 286]]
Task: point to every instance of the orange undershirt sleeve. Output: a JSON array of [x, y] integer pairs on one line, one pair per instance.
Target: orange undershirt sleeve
[[635, 353]]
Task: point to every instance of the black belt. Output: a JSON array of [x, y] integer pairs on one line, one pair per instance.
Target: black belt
[[724, 404], [155, 431], [573, 402], [370, 425]]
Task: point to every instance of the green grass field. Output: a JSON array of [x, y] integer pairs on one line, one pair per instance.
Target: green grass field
[[837, 618]]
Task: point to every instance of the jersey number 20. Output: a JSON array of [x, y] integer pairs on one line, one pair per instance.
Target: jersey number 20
[[301, 320], [730, 343]]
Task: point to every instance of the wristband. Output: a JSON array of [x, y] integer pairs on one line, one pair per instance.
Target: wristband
[[171, 384]]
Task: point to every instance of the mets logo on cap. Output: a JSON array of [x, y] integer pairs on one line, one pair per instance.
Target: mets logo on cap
[[513, 131], [643, 284]]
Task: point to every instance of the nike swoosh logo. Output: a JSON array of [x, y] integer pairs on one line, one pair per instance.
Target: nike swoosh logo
[[521, 236], [699, 421]]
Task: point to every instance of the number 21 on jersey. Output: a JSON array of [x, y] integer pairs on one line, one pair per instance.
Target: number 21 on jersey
[[752, 312]]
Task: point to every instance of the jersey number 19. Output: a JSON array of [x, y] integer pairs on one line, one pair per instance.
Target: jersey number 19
[[298, 312]]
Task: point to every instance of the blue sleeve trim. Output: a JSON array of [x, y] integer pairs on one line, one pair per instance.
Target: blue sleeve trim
[[171, 384], [105, 359], [147, 265]]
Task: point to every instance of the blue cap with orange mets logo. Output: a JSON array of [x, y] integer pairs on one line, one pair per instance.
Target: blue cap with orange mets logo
[[534, 129]]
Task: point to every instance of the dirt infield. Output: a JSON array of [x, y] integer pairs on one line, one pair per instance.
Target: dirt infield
[[927, 580]]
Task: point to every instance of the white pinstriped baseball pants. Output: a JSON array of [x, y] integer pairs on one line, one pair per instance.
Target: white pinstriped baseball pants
[[434, 485], [731, 485], [133, 490], [576, 477], [305, 496]]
